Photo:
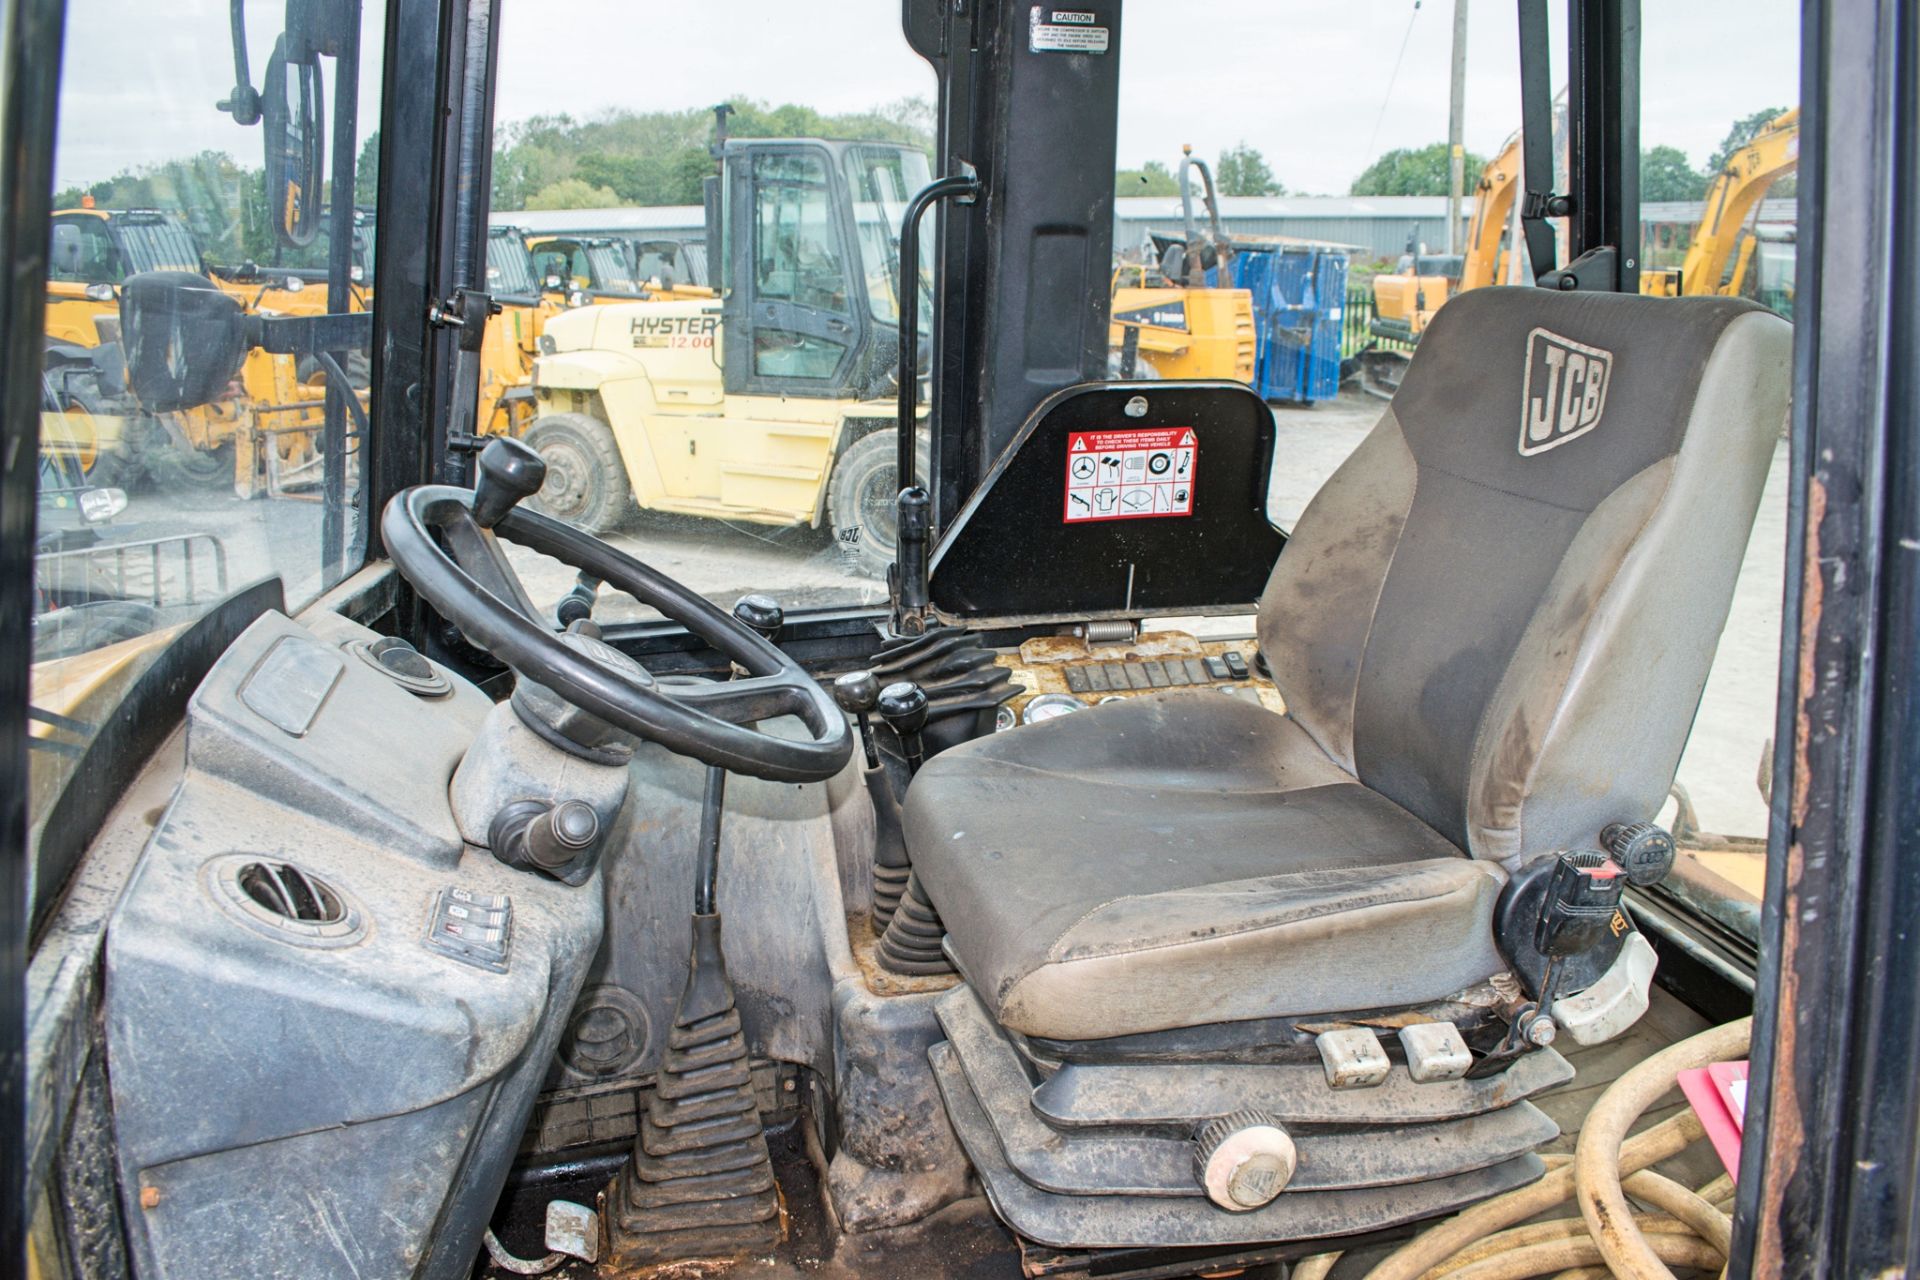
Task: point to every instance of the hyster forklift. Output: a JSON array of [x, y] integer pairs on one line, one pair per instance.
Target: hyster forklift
[[369, 923], [772, 403]]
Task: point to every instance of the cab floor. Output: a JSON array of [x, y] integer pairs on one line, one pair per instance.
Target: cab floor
[[966, 1242]]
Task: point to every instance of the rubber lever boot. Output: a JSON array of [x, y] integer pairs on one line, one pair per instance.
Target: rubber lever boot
[[856, 693], [699, 1182], [509, 470], [911, 942]]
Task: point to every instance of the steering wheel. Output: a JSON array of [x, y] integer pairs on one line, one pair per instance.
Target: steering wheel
[[471, 584]]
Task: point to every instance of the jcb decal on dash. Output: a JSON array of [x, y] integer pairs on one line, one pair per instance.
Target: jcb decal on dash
[[1131, 475], [1565, 391], [674, 331]]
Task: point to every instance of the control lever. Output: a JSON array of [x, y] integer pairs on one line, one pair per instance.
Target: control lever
[[911, 942], [904, 707], [1582, 903], [701, 1159], [509, 472], [763, 616], [577, 604], [858, 692], [558, 839]]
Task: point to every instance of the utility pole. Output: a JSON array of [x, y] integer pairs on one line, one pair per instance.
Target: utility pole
[[1456, 126]]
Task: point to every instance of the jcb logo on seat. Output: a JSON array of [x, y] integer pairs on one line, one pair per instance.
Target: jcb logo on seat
[[1565, 391]]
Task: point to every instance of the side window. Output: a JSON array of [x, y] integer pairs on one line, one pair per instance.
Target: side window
[[83, 253], [796, 253], [796, 260]]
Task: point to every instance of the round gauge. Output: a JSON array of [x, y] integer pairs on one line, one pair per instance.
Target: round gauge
[[1004, 719], [1049, 705]]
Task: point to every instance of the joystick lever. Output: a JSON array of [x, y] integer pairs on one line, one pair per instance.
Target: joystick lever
[[904, 707], [857, 692], [509, 472]]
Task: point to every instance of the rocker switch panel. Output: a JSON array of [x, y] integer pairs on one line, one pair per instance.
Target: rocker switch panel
[[473, 928]]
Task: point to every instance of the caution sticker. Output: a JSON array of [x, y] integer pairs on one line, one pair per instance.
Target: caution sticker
[[1131, 475], [1051, 30]]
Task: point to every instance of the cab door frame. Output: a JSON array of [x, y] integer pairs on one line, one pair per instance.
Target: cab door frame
[[746, 314]]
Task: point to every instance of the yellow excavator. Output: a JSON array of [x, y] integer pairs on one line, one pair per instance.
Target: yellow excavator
[[1404, 300], [1171, 324], [266, 423], [1721, 253]]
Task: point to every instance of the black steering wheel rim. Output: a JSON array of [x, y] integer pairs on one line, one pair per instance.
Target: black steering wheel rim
[[708, 722]]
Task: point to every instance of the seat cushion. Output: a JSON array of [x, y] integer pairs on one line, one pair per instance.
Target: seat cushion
[[1183, 859]]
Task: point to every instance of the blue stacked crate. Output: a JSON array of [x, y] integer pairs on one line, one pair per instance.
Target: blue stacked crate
[[1299, 298]]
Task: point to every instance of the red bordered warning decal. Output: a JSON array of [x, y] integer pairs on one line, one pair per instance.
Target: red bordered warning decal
[[1131, 475]]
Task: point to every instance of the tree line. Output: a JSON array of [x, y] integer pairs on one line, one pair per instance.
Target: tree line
[[1665, 172]]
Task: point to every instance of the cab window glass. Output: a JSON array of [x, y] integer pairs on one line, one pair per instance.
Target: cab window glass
[[169, 477], [796, 251]]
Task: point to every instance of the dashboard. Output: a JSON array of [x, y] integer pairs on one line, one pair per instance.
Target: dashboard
[[327, 1014]]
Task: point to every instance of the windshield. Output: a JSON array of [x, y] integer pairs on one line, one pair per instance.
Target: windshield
[[155, 242], [883, 179], [607, 265], [509, 265], [153, 506]]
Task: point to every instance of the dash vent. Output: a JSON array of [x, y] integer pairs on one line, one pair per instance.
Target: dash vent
[[284, 900]]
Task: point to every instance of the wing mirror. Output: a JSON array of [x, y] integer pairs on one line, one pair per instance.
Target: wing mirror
[[184, 340], [292, 107]]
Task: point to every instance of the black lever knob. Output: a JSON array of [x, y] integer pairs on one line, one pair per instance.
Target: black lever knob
[[904, 707], [761, 613], [509, 470], [856, 693]]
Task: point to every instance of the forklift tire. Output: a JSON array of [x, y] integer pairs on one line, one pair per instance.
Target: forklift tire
[[586, 480], [861, 497]]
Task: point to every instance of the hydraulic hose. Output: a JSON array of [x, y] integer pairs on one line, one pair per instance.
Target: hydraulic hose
[[1689, 1229], [1596, 1168]]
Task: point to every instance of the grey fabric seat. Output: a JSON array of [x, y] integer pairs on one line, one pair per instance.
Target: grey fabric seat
[[1491, 627]]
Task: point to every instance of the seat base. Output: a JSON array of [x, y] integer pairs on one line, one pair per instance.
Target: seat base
[[1376, 1157]]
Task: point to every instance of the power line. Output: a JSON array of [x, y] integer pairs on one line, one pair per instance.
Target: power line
[[1384, 102]]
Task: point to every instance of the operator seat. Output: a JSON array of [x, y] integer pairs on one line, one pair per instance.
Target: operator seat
[[1491, 628]]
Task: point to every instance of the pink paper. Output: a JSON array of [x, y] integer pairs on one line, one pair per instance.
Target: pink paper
[[1718, 1095]]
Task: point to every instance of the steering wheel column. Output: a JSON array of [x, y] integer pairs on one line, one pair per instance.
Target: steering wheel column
[[700, 1158]]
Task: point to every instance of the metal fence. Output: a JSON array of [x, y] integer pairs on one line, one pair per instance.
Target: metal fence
[[1356, 324]]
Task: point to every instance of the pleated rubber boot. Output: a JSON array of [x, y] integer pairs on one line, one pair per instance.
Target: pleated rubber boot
[[890, 867], [700, 1182], [911, 944]]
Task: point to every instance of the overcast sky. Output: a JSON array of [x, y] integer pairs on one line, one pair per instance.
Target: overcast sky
[[1308, 82]]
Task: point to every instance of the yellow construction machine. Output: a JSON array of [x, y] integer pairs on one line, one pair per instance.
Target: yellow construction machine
[[260, 435], [770, 401], [1720, 256], [1169, 322], [1405, 299]]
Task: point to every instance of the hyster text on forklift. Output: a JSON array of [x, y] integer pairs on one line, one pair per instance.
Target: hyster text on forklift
[[401, 881]]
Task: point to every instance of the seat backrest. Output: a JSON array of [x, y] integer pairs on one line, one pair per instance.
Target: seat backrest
[[1501, 609]]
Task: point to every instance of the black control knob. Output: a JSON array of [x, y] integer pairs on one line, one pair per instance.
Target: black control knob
[[762, 613], [857, 692], [904, 707], [562, 833], [1644, 851], [509, 471]]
